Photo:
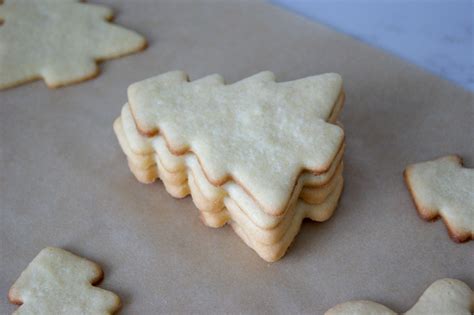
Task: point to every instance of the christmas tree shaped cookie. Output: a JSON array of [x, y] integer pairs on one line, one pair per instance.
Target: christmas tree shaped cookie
[[256, 154], [444, 188], [58, 282], [257, 132], [59, 41]]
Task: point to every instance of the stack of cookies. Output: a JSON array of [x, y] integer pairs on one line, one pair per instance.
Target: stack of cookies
[[256, 154]]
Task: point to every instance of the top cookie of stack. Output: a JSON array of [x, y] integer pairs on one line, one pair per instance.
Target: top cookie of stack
[[256, 154]]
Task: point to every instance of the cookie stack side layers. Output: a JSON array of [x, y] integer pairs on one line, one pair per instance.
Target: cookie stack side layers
[[262, 232], [299, 180], [173, 172]]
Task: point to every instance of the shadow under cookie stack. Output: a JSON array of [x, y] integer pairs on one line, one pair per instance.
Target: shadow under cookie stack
[[258, 155]]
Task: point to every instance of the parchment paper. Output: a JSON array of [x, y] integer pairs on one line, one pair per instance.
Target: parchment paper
[[64, 180]]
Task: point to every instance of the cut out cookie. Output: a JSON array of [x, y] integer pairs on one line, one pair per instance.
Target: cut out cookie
[[58, 282], [247, 152], [59, 41], [444, 188], [443, 297], [257, 132]]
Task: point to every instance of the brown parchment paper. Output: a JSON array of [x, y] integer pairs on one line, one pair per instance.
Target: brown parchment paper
[[64, 180]]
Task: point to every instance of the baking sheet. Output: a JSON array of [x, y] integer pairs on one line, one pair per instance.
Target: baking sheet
[[64, 180]]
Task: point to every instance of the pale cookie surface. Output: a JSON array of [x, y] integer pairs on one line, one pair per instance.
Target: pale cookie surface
[[59, 41], [443, 297], [258, 132], [207, 190], [444, 188], [58, 282]]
